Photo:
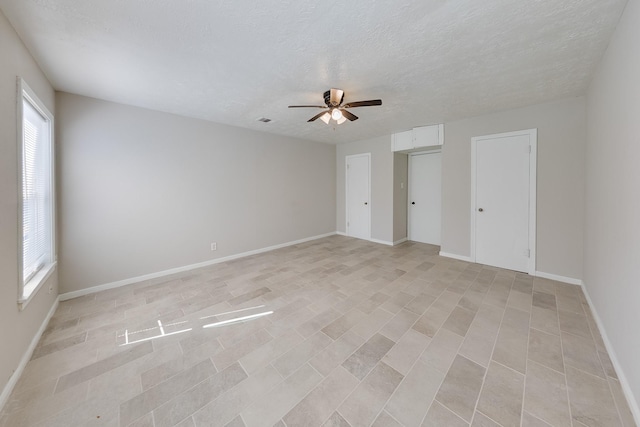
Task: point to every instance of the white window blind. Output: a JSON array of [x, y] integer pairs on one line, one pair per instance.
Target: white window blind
[[37, 193]]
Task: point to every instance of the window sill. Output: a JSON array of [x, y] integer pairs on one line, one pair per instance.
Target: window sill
[[33, 286]]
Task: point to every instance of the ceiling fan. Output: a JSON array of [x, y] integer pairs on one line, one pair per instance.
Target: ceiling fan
[[336, 110]]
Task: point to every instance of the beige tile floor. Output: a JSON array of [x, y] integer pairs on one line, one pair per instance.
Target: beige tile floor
[[334, 332]]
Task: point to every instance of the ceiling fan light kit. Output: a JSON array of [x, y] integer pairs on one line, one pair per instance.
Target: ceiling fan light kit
[[337, 111]]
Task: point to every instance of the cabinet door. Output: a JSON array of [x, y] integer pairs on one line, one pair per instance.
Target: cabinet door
[[426, 136], [403, 140]]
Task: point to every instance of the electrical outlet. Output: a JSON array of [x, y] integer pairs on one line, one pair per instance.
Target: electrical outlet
[[214, 246]]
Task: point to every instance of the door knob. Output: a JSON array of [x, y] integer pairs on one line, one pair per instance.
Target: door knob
[[413, 203], [366, 203], [480, 210]]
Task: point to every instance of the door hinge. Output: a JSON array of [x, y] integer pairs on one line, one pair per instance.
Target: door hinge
[[527, 253], [529, 149], [347, 165], [348, 223]]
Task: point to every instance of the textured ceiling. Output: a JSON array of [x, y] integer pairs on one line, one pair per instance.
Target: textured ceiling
[[231, 62]]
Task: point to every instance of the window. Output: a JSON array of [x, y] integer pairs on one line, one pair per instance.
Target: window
[[35, 142]]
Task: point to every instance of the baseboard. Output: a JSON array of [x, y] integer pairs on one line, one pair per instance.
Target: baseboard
[[129, 281], [455, 256], [382, 242], [542, 274], [558, 278], [624, 383], [397, 242], [13, 380]]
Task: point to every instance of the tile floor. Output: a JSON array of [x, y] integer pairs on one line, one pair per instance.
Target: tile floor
[[334, 332]]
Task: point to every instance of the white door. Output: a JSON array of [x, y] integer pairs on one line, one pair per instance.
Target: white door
[[425, 172], [358, 196], [503, 203]]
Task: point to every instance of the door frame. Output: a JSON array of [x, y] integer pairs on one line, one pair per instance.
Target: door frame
[[439, 150], [533, 143], [346, 191]]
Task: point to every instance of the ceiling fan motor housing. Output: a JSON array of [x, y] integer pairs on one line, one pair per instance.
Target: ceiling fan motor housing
[[327, 99]]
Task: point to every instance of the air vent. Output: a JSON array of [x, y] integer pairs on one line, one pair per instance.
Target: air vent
[[264, 120]]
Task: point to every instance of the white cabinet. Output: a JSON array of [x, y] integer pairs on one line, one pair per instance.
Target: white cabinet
[[402, 140], [426, 136], [420, 137]]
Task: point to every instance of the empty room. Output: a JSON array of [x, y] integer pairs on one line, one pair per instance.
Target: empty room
[[298, 213]]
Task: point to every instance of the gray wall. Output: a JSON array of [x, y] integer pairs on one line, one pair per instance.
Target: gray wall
[[382, 205], [560, 197], [144, 191], [17, 328], [400, 181], [612, 226]]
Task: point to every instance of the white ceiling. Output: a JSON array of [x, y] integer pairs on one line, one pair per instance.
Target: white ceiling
[[231, 62]]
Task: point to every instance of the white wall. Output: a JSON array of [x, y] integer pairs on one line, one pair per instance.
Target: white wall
[[382, 205], [560, 218], [612, 226], [144, 191], [17, 328]]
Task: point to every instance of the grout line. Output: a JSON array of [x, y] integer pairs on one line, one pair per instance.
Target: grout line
[[579, 336], [480, 412], [564, 363], [540, 419], [600, 360], [615, 401], [551, 369], [318, 372], [588, 373], [323, 378], [346, 397], [543, 331], [390, 396], [495, 343], [214, 363], [455, 414], [391, 416], [526, 362], [509, 368]]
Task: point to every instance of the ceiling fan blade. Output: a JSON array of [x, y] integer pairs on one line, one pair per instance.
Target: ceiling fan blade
[[349, 115], [307, 106], [317, 116], [370, 103], [336, 97]]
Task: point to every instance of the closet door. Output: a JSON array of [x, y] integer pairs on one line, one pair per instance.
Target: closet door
[[425, 200], [503, 200]]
